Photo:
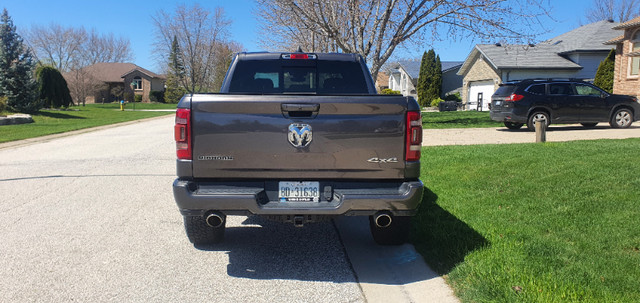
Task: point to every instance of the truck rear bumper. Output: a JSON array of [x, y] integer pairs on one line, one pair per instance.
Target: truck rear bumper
[[195, 198]]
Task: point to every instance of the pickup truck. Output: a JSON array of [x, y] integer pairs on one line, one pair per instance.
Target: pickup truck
[[298, 138]]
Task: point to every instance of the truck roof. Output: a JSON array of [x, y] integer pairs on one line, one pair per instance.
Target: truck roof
[[278, 55]]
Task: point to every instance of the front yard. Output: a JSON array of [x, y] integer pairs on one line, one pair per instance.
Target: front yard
[[48, 122], [553, 222], [458, 119]]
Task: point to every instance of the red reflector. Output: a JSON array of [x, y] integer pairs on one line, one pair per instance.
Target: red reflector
[[413, 144], [299, 56], [514, 97], [182, 133]]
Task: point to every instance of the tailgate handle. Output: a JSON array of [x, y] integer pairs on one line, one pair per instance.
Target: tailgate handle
[[302, 110]]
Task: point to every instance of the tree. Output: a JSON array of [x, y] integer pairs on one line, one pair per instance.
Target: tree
[[375, 28], [430, 79], [199, 33], [16, 69], [604, 75], [52, 87], [616, 10], [175, 74]]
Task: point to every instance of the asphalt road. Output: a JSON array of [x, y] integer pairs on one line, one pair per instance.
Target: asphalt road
[[91, 218]]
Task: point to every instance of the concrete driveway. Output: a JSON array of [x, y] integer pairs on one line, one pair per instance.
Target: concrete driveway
[[502, 135]]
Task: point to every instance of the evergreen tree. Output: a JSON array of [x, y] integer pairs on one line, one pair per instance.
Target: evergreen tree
[[16, 69], [175, 75], [604, 75], [430, 79], [52, 87]]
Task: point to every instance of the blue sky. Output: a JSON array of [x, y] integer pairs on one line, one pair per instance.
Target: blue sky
[[132, 20]]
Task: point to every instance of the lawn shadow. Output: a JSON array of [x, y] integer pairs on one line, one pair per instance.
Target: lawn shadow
[[442, 238], [58, 115]]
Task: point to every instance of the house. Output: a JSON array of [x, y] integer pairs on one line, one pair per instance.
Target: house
[[403, 77], [575, 54], [382, 82], [106, 82], [626, 79]]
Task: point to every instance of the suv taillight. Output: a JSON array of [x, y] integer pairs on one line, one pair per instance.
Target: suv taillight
[[182, 133], [413, 144], [514, 97]]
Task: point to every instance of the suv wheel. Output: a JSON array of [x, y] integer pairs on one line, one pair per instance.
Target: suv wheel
[[397, 233], [538, 115], [622, 118], [513, 125], [199, 233]]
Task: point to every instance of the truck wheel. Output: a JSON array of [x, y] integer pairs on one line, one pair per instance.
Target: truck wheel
[[513, 125], [200, 233], [395, 234], [622, 118]]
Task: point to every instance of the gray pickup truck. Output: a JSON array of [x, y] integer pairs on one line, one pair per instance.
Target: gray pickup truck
[[298, 138]]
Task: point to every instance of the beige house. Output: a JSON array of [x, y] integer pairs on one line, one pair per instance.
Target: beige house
[[626, 80], [575, 54], [106, 82]]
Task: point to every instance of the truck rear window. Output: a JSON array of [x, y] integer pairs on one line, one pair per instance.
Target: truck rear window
[[323, 77]]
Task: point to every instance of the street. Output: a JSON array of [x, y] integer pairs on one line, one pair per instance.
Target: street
[[91, 218]]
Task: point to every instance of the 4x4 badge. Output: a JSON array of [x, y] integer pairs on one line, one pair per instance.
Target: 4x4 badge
[[300, 135]]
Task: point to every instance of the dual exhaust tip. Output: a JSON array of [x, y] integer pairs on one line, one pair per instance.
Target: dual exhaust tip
[[214, 219]]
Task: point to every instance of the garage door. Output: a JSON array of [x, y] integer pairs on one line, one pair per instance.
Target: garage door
[[480, 95]]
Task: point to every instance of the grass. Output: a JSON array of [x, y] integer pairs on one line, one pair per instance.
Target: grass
[[553, 222], [458, 119], [48, 122]]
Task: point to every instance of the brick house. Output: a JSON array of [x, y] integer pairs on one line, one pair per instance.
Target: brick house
[[626, 80], [103, 78], [575, 54]]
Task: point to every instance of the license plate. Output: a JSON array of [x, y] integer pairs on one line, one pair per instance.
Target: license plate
[[498, 103], [294, 191]]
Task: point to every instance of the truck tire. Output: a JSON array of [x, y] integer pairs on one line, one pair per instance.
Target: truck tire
[[395, 234], [199, 233]]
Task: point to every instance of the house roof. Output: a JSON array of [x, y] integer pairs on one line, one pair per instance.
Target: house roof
[[114, 72], [589, 37], [547, 54], [615, 40], [631, 23], [412, 67]]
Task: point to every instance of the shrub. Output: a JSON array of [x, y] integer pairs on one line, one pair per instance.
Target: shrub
[[52, 87], [388, 91], [137, 98], [3, 103], [436, 102], [156, 96], [453, 97]]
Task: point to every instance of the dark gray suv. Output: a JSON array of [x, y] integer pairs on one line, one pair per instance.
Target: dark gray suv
[[561, 101]]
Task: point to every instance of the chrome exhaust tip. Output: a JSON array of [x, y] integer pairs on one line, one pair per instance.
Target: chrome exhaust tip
[[214, 219], [383, 219]]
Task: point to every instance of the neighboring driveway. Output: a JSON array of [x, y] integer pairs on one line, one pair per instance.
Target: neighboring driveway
[[502, 135]]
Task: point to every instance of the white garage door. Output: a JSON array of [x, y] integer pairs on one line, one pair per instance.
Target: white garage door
[[480, 95]]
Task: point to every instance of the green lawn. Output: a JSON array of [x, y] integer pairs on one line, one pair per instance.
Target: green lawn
[[553, 222], [78, 117], [458, 119]]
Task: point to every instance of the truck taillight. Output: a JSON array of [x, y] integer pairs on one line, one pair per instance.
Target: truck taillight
[[413, 136], [182, 133]]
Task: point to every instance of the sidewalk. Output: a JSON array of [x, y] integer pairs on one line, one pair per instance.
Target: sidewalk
[[502, 135]]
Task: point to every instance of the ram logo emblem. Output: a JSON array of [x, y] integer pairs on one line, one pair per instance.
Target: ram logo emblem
[[300, 134]]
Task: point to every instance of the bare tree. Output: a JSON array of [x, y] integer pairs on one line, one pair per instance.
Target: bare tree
[[616, 10], [199, 33], [69, 48], [375, 28]]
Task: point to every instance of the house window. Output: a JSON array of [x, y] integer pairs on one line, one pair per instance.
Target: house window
[[137, 83], [634, 68]]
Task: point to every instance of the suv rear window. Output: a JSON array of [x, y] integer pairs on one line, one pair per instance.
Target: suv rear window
[[505, 90], [560, 89], [537, 89], [273, 76]]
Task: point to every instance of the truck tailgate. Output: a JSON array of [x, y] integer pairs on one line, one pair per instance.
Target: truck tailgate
[[298, 137]]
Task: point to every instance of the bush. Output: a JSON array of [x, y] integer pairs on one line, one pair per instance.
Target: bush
[[156, 96], [52, 87], [436, 102], [453, 97], [388, 91], [137, 98], [3, 103]]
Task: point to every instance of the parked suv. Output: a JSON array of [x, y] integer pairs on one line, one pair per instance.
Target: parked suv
[[560, 101]]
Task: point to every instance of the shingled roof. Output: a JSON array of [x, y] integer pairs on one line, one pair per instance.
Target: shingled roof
[[547, 54], [114, 72], [631, 23], [412, 67]]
